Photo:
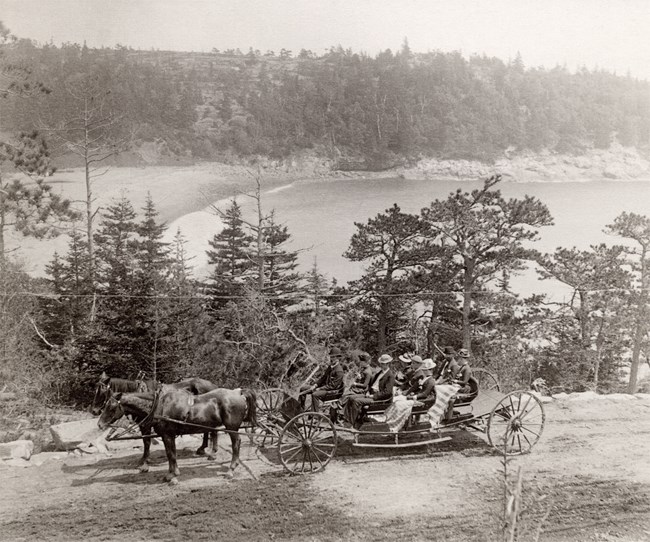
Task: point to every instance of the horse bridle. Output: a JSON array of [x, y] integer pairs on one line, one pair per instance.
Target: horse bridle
[[105, 389]]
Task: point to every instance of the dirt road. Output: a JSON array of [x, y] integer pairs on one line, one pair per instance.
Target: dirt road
[[587, 479]]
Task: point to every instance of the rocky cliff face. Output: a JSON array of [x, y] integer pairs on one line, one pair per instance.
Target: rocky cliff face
[[615, 163]]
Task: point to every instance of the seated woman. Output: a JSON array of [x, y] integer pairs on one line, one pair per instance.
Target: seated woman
[[462, 376], [424, 389], [380, 389], [421, 393]]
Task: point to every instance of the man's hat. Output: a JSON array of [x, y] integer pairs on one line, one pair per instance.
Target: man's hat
[[405, 358], [428, 364], [384, 359], [449, 351], [463, 353], [335, 352], [416, 359]]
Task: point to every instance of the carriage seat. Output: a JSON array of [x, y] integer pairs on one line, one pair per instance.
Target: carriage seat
[[377, 407]]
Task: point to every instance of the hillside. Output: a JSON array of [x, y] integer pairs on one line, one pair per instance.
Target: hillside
[[356, 112]]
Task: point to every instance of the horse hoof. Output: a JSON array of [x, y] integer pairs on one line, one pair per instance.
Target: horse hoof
[[230, 475], [173, 481], [212, 457], [143, 468], [200, 451]]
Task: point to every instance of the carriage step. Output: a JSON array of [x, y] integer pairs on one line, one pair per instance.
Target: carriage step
[[405, 445]]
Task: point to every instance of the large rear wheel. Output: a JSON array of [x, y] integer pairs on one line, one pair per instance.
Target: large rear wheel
[[307, 443], [516, 423]]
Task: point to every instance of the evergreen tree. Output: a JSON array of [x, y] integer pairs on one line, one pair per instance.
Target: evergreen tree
[[281, 279], [230, 255]]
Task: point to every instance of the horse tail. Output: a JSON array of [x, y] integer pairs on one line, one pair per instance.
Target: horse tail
[[251, 403]]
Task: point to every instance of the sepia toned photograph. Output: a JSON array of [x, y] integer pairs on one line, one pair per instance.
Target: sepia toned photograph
[[283, 270]]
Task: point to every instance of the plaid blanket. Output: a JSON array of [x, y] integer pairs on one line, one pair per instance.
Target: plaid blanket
[[444, 394], [398, 413]]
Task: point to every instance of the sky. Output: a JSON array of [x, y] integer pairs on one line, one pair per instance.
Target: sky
[[608, 34]]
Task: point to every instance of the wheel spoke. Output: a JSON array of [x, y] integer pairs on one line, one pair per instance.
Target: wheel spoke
[[326, 444], [530, 431], [523, 410], [528, 441], [294, 454], [318, 459], [288, 450], [312, 428]]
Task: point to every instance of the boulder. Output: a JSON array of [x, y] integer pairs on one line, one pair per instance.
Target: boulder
[[17, 449], [68, 436]]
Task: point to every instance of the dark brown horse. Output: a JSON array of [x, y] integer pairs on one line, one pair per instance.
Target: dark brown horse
[[176, 412], [106, 387]]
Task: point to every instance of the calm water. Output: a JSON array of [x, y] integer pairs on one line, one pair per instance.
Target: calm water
[[321, 215]]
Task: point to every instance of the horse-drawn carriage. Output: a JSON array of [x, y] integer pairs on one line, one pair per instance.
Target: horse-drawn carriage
[[307, 440]]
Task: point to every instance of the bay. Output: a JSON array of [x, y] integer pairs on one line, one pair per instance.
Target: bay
[[321, 216]]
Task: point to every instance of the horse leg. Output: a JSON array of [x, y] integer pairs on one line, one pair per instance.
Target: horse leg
[[235, 442], [143, 464], [170, 450], [214, 436], [204, 445]]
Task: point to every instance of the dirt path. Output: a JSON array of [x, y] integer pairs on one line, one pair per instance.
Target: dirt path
[[589, 473]]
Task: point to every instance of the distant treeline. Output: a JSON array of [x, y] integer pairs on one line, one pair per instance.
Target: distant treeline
[[365, 112]]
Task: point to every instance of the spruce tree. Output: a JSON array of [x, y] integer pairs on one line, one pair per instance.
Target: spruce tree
[[281, 281], [231, 257]]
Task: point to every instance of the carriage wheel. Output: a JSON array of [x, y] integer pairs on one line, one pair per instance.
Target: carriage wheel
[[307, 443], [486, 380], [516, 423], [269, 416]]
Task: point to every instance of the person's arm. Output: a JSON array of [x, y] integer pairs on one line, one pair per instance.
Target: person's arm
[[427, 390], [385, 387], [463, 375]]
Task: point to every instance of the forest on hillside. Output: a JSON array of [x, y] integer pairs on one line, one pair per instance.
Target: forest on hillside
[[362, 112]]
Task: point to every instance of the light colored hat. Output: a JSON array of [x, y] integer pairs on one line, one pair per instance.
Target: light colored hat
[[384, 359], [405, 358], [463, 353], [416, 359], [428, 364]]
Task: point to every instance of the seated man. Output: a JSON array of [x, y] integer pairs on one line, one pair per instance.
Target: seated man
[[449, 366], [330, 384], [461, 372], [380, 390]]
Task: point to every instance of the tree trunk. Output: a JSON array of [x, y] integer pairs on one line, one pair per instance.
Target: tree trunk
[[381, 326], [640, 330], [89, 198], [2, 226], [467, 303]]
